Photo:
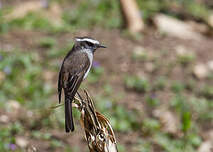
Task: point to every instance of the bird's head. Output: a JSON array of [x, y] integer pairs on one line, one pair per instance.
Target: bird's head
[[88, 43]]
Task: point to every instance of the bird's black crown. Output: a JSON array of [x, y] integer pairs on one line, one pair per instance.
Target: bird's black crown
[[88, 43]]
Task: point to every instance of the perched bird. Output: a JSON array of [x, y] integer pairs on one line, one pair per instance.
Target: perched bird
[[75, 68]]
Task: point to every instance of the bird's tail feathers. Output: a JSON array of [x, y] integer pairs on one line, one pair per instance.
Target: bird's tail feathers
[[69, 124]]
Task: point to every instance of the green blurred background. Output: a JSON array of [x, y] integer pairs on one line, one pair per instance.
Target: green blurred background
[[155, 88]]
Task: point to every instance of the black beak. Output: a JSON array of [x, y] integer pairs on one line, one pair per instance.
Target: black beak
[[101, 46]]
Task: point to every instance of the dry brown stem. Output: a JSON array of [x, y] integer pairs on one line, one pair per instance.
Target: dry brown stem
[[98, 131]]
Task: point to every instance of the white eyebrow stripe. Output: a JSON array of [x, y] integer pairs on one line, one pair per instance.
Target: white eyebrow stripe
[[89, 40]]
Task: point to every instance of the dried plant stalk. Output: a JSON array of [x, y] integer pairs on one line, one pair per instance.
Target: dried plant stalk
[[98, 131]]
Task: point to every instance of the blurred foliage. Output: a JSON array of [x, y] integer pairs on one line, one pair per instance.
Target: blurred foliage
[[186, 58], [32, 21], [120, 118], [47, 42], [105, 13], [95, 74], [23, 70], [86, 15], [178, 8], [94, 12], [177, 145], [136, 83]]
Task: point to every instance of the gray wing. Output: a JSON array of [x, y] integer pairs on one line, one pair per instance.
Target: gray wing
[[72, 72], [71, 75]]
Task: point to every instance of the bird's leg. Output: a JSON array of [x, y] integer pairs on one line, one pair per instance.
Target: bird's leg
[[79, 101]]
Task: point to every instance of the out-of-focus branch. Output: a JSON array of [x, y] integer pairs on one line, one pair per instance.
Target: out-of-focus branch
[[132, 15]]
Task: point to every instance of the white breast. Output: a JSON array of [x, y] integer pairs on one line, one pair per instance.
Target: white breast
[[90, 56]]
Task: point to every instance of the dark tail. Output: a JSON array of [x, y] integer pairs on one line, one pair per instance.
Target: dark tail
[[69, 125]]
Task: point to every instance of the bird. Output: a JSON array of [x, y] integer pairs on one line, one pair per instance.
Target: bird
[[74, 69]]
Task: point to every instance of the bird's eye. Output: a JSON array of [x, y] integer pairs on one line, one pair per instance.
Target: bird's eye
[[90, 44]]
